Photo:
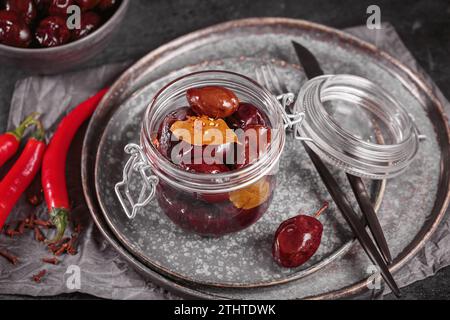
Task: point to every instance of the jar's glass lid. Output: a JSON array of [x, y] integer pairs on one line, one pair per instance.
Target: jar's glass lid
[[356, 125]]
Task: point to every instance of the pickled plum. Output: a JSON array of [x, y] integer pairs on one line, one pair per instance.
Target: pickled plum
[[90, 21], [164, 141], [218, 109], [207, 218], [86, 5], [208, 169], [297, 239], [26, 9], [59, 7], [34, 23], [245, 115], [257, 139], [251, 196], [13, 30], [205, 168], [203, 130], [105, 5], [219, 154], [184, 153], [42, 7], [212, 101], [52, 32]]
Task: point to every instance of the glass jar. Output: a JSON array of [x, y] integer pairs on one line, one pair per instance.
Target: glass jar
[[203, 203], [347, 120]]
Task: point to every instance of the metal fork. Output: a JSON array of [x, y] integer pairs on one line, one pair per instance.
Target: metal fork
[[268, 76]]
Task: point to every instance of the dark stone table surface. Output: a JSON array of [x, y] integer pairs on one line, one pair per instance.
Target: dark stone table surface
[[423, 25]]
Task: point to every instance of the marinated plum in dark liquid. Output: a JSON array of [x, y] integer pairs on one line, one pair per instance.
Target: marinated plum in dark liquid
[[212, 101], [245, 115], [205, 217], [212, 214], [164, 139]]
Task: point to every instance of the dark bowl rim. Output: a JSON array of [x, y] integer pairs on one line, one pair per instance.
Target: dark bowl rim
[[121, 9]]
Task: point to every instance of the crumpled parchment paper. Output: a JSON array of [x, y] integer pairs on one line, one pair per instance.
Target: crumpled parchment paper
[[104, 273]]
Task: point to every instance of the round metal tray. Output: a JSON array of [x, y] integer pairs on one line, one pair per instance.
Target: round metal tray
[[408, 214], [239, 260]]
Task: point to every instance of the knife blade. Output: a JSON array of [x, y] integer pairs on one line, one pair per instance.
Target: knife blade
[[309, 62], [312, 69]]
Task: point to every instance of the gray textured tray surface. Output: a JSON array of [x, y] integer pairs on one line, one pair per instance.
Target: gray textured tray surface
[[409, 195]]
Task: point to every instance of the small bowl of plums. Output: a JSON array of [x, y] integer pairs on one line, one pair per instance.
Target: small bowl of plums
[[208, 153], [50, 36]]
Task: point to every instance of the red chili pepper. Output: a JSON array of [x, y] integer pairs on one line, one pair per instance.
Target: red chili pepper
[[54, 165], [10, 141], [22, 173]]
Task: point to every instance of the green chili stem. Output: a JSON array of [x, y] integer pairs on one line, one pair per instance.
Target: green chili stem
[[20, 130]]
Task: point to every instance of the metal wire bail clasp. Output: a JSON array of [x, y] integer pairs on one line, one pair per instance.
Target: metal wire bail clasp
[[292, 119], [136, 163]]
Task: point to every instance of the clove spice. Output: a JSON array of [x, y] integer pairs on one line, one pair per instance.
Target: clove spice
[[12, 233], [38, 277], [72, 245], [77, 228], [38, 236], [21, 227], [44, 224], [53, 261], [9, 256], [62, 249]]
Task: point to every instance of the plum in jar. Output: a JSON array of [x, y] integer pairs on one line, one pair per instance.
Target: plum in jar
[[212, 101], [213, 108], [255, 141], [164, 141], [245, 115], [213, 219], [205, 168]]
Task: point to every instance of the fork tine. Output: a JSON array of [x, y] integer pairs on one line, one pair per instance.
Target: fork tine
[[264, 79], [270, 74], [282, 84], [260, 79], [267, 82]]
